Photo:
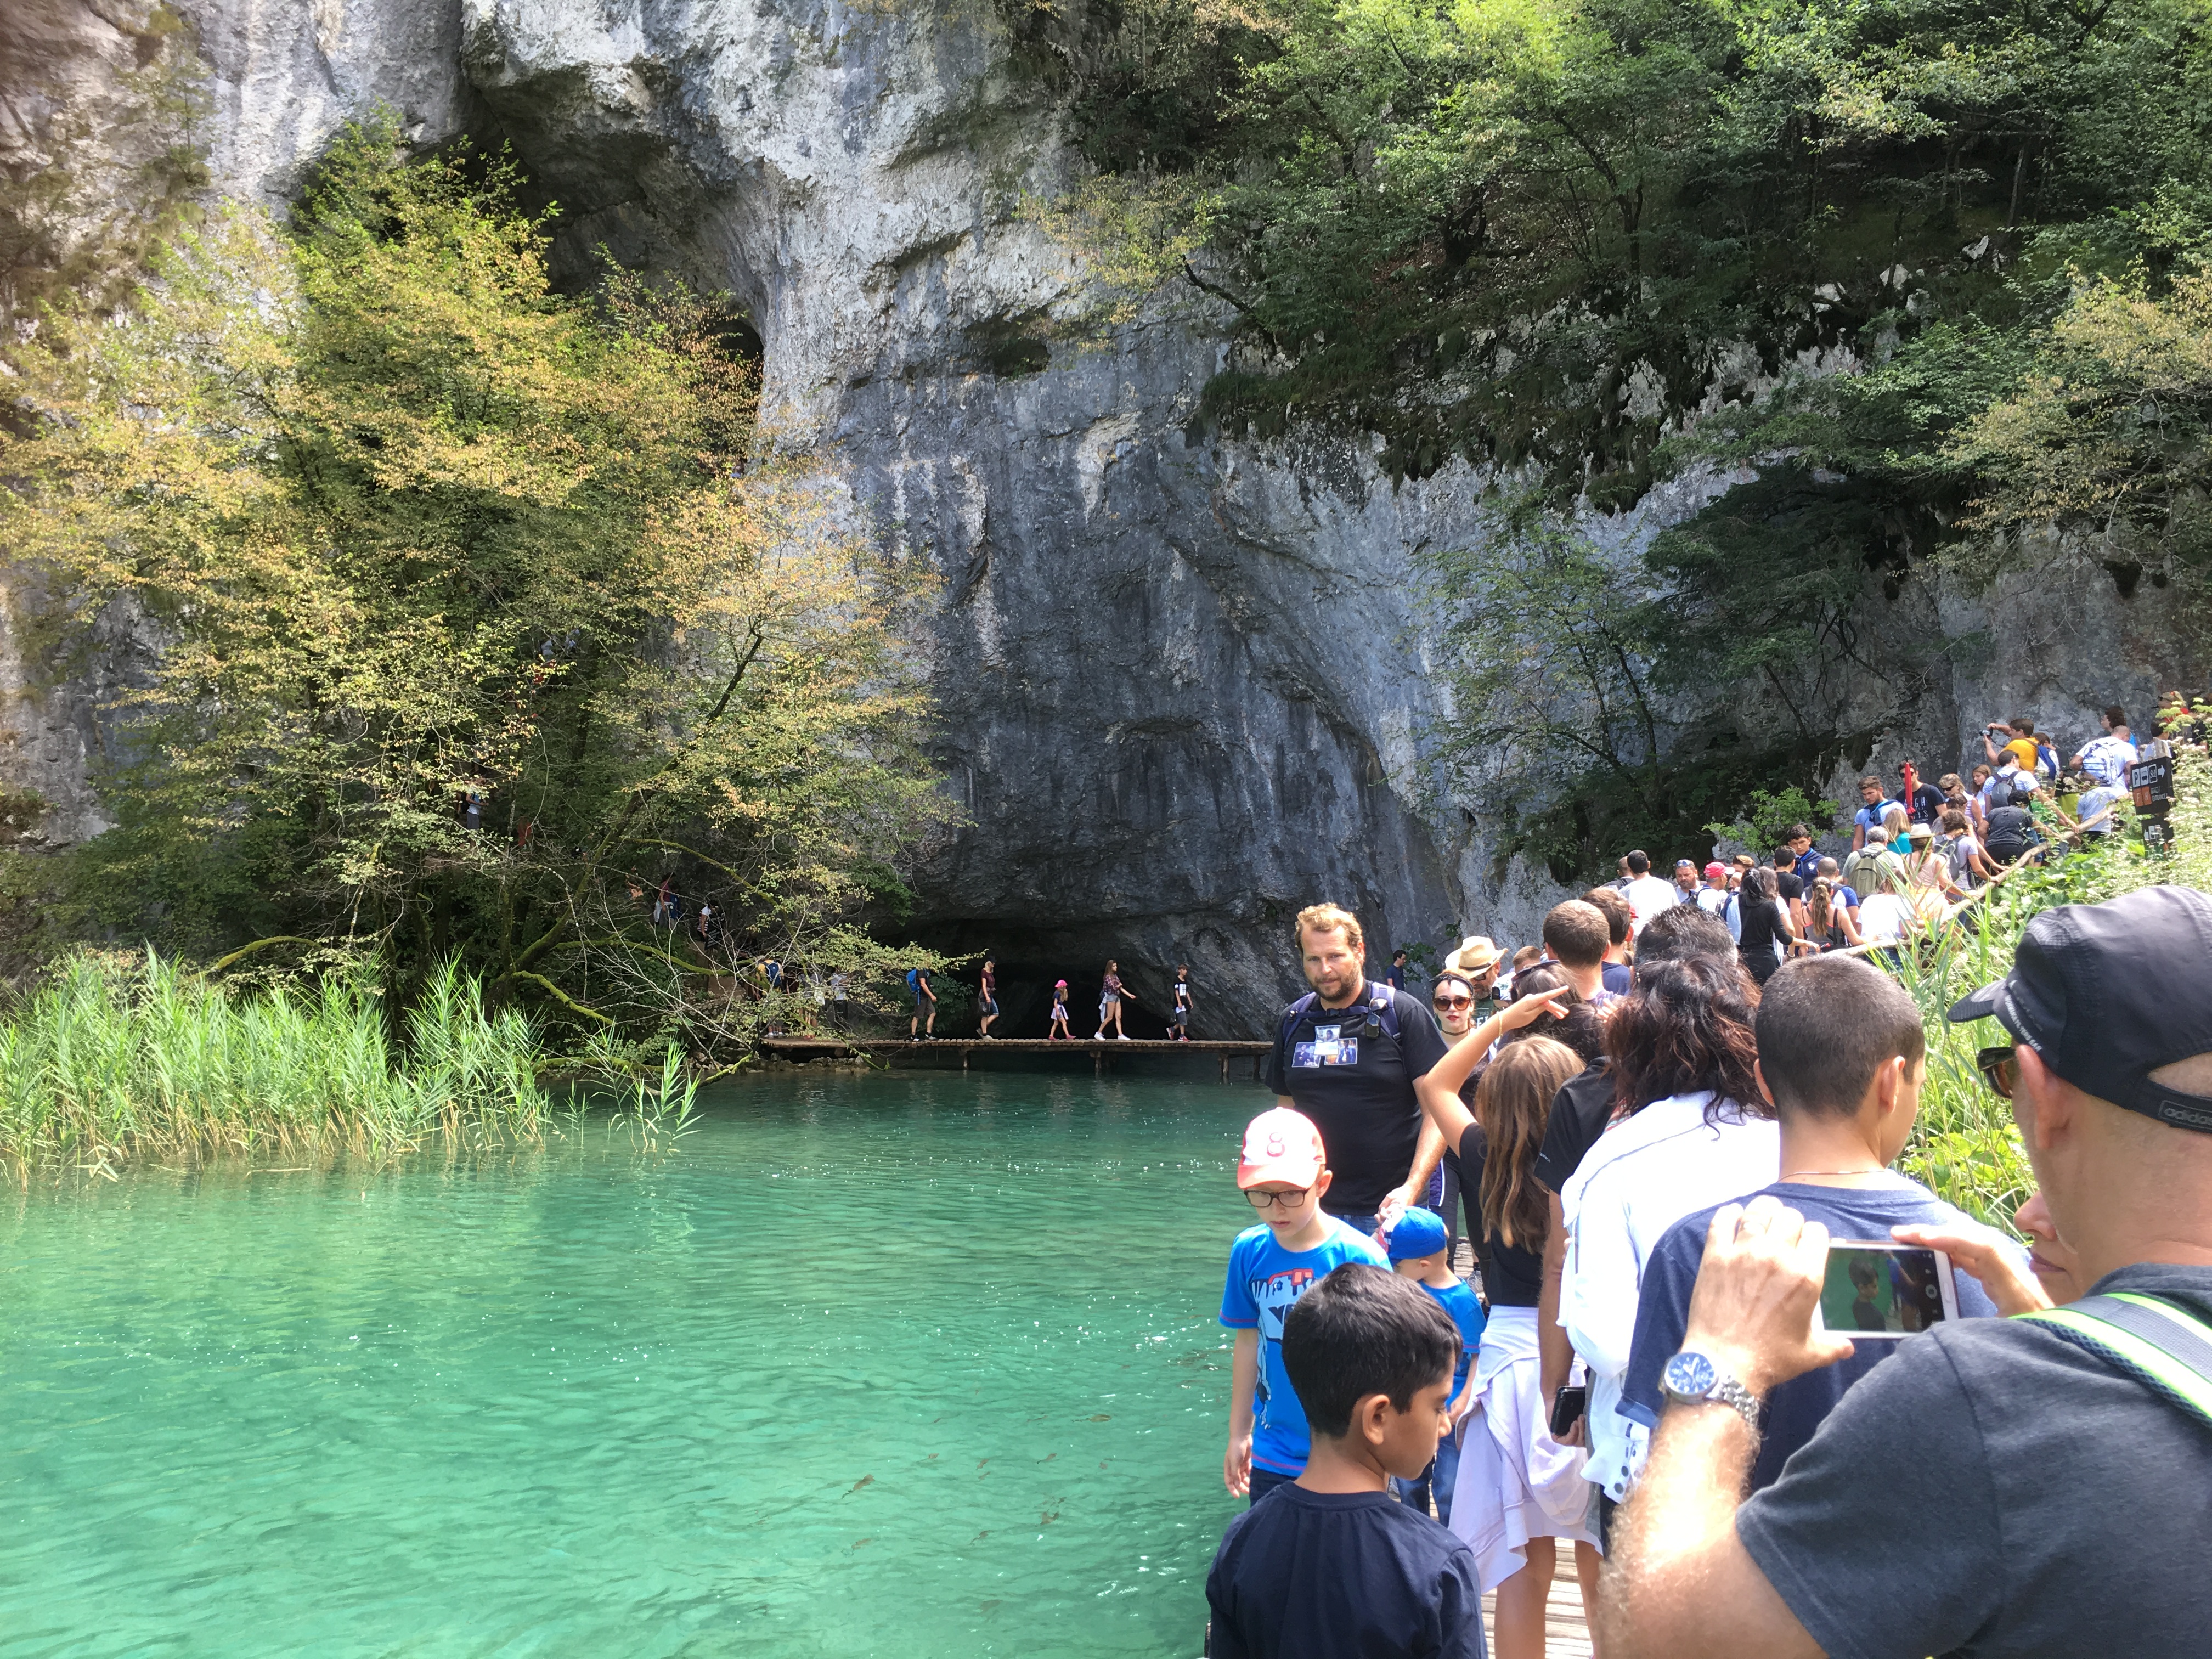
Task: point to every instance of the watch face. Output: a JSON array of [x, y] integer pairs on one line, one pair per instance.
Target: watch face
[[1690, 1376]]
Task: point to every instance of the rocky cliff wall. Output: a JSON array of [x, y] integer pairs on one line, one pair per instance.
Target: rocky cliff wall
[[1183, 680]]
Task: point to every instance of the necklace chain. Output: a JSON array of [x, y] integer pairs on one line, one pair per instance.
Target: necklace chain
[[1788, 1174]]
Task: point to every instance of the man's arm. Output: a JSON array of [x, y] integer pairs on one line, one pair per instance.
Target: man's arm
[[1679, 1583], [1428, 1152]]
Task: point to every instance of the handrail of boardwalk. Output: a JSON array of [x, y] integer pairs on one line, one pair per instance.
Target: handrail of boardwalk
[[1101, 1051]]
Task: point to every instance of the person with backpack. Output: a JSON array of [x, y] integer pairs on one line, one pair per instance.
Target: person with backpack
[[923, 1025], [2012, 827], [1874, 868], [1962, 849], [1346, 1054], [2011, 1488]]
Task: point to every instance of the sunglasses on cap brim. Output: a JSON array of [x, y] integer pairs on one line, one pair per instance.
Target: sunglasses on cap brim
[[1999, 1069]]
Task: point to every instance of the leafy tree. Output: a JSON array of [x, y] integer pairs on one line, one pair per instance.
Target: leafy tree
[[1587, 246], [474, 621]]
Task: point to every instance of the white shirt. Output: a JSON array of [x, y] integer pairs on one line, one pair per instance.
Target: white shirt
[[1647, 896], [2107, 759], [1884, 918], [1642, 1177]]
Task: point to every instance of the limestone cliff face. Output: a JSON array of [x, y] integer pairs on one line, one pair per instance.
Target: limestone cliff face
[[1182, 680]]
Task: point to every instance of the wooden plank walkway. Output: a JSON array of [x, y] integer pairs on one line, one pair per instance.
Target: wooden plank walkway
[[1566, 1632], [1103, 1054]]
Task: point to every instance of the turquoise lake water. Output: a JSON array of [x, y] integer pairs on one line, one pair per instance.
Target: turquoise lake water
[[915, 1364]]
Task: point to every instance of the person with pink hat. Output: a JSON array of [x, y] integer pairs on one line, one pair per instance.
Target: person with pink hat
[[1059, 1027], [1283, 1174]]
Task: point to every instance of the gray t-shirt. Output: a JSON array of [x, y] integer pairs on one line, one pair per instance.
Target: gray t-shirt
[[1993, 1490]]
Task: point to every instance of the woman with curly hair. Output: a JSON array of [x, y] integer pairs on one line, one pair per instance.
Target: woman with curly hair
[[1691, 1129]]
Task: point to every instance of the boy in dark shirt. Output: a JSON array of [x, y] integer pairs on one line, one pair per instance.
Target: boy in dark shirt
[[1332, 1566]]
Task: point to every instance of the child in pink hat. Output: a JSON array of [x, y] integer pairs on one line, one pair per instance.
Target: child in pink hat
[[1060, 1013], [1283, 1174]]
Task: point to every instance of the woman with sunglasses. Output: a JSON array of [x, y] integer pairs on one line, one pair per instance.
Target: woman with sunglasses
[[1454, 1001]]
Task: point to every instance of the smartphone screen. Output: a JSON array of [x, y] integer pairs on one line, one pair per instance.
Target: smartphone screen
[[1878, 1289]]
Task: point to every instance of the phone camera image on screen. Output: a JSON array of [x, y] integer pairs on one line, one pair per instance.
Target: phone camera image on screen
[[1870, 1291]]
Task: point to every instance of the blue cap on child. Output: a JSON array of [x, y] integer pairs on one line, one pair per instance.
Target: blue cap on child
[[1419, 1233]]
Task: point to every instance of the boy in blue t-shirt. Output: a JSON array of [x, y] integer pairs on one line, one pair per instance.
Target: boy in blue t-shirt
[[1421, 1250], [1842, 1057], [1284, 1173]]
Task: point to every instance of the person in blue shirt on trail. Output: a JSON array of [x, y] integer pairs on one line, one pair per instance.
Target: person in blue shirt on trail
[[1284, 1173], [1421, 1250], [1866, 823], [1395, 976], [1842, 1055], [1330, 1565]]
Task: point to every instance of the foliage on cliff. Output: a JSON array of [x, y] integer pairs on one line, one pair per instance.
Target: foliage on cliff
[[1585, 243], [421, 535]]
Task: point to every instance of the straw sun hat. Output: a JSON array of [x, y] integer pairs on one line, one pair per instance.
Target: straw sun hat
[[1475, 953]]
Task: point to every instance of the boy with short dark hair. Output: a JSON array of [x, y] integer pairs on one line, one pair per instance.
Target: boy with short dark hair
[[1577, 935], [1620, 922], [1332, 1564], [1842, 1057], [1284, 1175]]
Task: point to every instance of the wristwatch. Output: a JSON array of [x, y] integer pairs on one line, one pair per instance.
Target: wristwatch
[[1691, 1379]]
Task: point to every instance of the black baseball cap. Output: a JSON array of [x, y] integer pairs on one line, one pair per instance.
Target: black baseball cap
[[2107, 993]]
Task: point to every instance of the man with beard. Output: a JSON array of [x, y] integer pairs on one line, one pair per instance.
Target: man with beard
[[1346, 1055]]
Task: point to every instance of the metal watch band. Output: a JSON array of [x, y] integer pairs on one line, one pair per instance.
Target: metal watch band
[[1729, 1392]]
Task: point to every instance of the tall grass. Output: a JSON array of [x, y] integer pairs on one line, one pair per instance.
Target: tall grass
[[107, 1058], [1965, 1144]]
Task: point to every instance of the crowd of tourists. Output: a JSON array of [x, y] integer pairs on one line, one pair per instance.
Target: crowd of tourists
[[1758, 1381]]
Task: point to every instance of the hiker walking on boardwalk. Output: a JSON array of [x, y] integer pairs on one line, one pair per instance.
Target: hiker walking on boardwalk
[[1058, 1030], [1112, 994], [987, 1002], [1181, 1018], [923, 1025], [1346, 1054]]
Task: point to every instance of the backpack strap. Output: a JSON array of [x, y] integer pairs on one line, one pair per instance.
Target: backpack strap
[[1384, 1006], [2161, 1344], [1292, 1015]]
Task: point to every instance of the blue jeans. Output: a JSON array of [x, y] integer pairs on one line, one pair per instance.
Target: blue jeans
[[1436, 1481]]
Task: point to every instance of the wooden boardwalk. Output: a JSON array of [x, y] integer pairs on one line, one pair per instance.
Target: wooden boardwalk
[[1566, 1633], [1103, 1054]]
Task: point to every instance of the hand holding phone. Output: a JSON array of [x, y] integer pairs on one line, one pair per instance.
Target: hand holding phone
[[1567, 1409]]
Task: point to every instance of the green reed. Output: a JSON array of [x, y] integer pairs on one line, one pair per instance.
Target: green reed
[[1966, 1145], [110, 1057]]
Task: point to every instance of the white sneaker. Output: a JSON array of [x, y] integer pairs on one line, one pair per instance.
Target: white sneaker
[[1121, 1037]]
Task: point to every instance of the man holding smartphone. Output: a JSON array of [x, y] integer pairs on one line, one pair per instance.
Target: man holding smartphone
[[2007, 1487]]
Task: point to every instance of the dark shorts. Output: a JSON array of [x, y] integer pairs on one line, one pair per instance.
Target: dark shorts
[[1182, 1017], [989, 1006], [1265, 1480]]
